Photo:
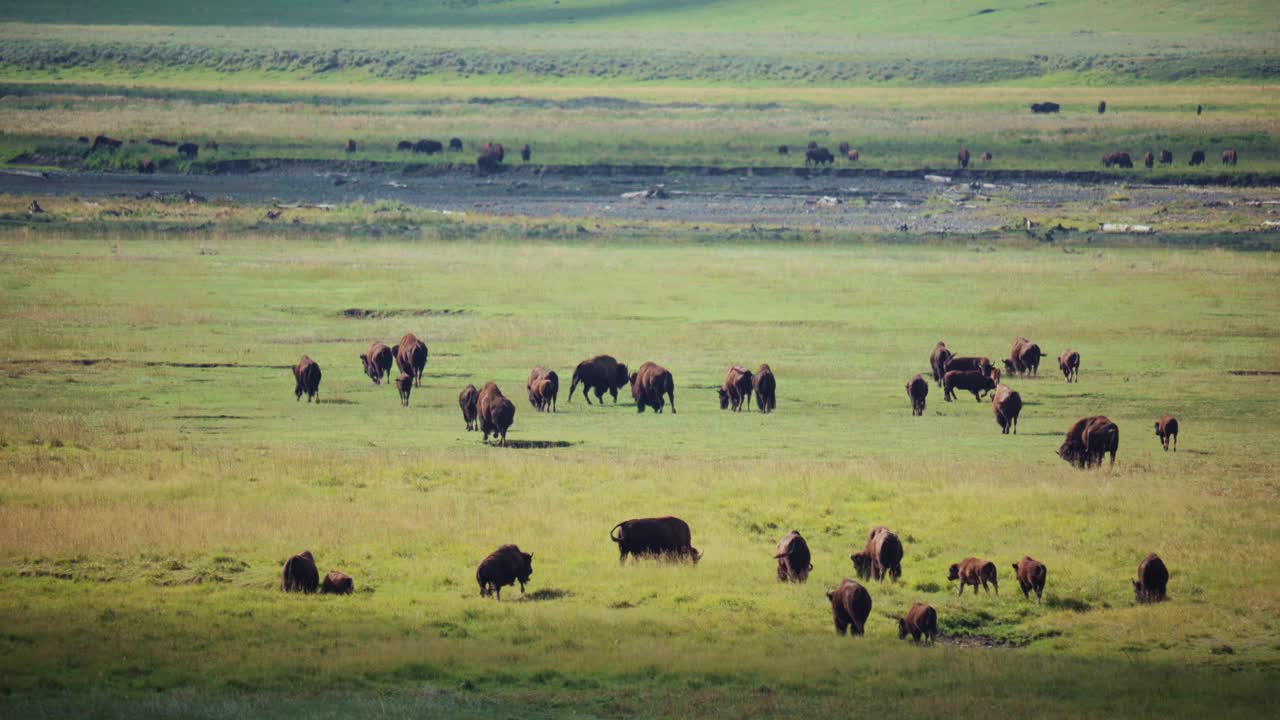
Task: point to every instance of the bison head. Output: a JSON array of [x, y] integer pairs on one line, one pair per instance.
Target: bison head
[[724, 399], [861, 564], [902, 628], [623, 376], [953, 573], [1137, 591]]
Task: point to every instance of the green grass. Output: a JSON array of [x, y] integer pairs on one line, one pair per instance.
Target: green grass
[[145, 507]]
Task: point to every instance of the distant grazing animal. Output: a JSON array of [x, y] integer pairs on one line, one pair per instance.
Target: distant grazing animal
[[1069, 364], [852, 155], [920, 620], [505, 566], [1197, 157], [813, 145], [1024, 357], [83, 140], [411, 357], [765, 387], [649, 384], [350, 146], [783, 150], [147, 166], [189, 151], [962, 158], [844, 148], [975, 572], [794, 559], [1045, 107], [496, 149], [1199, 109], [967, 364], [404, 145], [34, 208], [880, 557], [736, 389], [1121, 159], [664, 537], [1149, 160], [1153, 580], [974, 382], [1229, 157], [986, 156], [1166, 157], [1006, 404], [162, 143], [404, 384], [455, 144], [300, 574], [428, 147], [938, 361], [337, 583], [1088, 439], [306, 379], [601, 373], [850, 606], [104, 142], [1167, 427], [467, 402], [525, 153], [377, 362], [917, 391], [487, 161], [496, 413], [818, 156], [1031, 574], [543, 386], [1102, 107]]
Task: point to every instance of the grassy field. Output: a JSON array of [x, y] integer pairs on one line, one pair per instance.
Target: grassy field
[[146, 503]]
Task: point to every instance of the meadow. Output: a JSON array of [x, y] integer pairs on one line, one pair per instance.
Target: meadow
[[157, 470]]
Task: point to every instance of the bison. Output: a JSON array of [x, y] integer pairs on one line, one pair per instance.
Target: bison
[[306, 379], [467, 402], [104, 142], [1167, 427], [158, 142], [505, 566], [1166, 157], [1069, 364], [962, 158], [189, 150], [1197, 157], [601, 373], [377, 362], [794, 559], [525, 153], [1120, 159], [1031, 574], [455, 144], [496, 413], [1045, 107], [850, 606], [974, 382], [404, 384], [649, 384], [917, 391], [300, 574], [783, 150], [1088, 439], [975, 572], [147, 166], [337, 583], [1006, 404], [1148, 160], [736, 390], [1102, 107], [1229, 157], [411, 357], [350, 147], [853, 155], [818, 156], [543, 387], [1024, 357], [765, 387], [881, 556], [428, 147], [938, 361], [1153, 580], [967, 364], [920, 620], [404, 146], [986, 156], [211, 145], [663, 537], [844, 148]]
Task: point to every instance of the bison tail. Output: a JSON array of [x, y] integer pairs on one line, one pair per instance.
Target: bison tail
[[574, 384], [615, 538]]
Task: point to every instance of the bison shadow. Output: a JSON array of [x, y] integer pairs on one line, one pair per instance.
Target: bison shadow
[[546, 594], [1067, 603], [338, 401], [539, 444], [1195, 452], [211, 417]]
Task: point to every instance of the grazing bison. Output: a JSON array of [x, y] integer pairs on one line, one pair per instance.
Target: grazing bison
[[1006, 404], [1031, 574], [1166, 157], [350, 147], [83, 140], [1088, 439], [496, 413], [850, 606], [975, 572], [1121, 159], [1045, 107], [1069, 364], [455, 144], [467, 402], [736, 390], [337, 583], [917, 390], [881, 556], [428, 147], [967, 364], [104, 142], [211, 145], [1167, 427], [300, 574], [1102, 107], [543, 387], [962, 158], [938, 361], [794, 559], [601, 373], [852, 155], [1229, 157], [783, 150], [404, 384], [844, 148], [766, 388], [818, 156], [649, 384], [306, 379], [525, 153], [1153, 580], [189, 151], [488, 160], [147, 166], [411, 357], [1149, 160], [986, 156], [1197, 157], [505, 566], [1024, 357], [161, 143], [404, 146], [920, 620], [663, 537], [813, 145], [974, 382], [377, 362]]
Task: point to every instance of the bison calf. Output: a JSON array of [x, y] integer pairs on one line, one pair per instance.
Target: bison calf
[[917, 391], [467, 402], [975, 572], [850, 606], [300, 574], [920, 620], [1167, 427], [794, 559], [336, 583], [1153, 580], [404, 384], [1031, 574], [505, 566], [1069, 364]]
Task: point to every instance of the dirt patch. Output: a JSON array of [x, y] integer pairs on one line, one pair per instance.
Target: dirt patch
[[539, 444], [369, 314], [211, 417], [546, 594], [977, 641], [1253, 372]]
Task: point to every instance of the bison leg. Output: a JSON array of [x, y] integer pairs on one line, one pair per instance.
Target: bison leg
[[671, 394], [613, 392], [842, 625], [1175, 443]]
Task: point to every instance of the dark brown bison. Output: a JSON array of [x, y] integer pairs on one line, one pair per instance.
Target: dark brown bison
[[495, 149], [920, 620], [1167, 427], [818, 156], [663, 537], [938, 361], [189, 151], [1120, 159], [147, 166], [601, 373], [844, 148], [1024, 357], [852, 155], [1153, 580], [736, 389], [377, 362], [649, 384], [1045, 107], [1166, 157], [1197, 157], [1102, 107], [487, 161], [505, 566], [986, 156], [211, 145], [161, 143], [337, 583], [975, 572], [455, 144], [1006, 404], [881, 556], [967, 364], [404, 146], [543, 387], [83, 140], [783, 150], [1031, 574], [525, 153], [350, 146], [917, 391], [1199, 109], [1149, 160], [496, 413], [812, 145], [102, 142], [962, 158], [1229, 157], [467, 402], [306, 379], [1088, 439], [404, 384], [1069, 364], [974, 382], [411, 357], [428, 147], [794, 560], [300, 574], [766, 389], [850, 606]]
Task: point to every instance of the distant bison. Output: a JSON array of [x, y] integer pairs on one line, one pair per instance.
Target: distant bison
[[525, 153], [986, 156], [404, 383], [974, 382], [161, 143], [736, 389], [404, 146], [211, 145], [664, 537], [1069, 364], [917, 391], [1007, 405], [962, 158], [852, 155], [920, 620], [147, 166], [306, 379], [428, 147], [350, 147], [337, 583], [467, 402], [1153, 580], [102, 142], [377, 362], [189, 151], [967, 364], [601, 373], [765, 387], [794, 559], [543, 387], [1166, 157], [880, 557], [818, 156], [649, 384], [844, 148], [300, 574], [1024, 357], [938, 361], [1031, 574], [975, 572], [1229, 157], [1102, 107], [1167, 427], [850, 606], [1045, 107], [1088, 440], [1120, 159], [783, 150], [505, 566], [1197, 157], [411, 357], [488, 161], [455, 144], [496, 413], [1149, 160]]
